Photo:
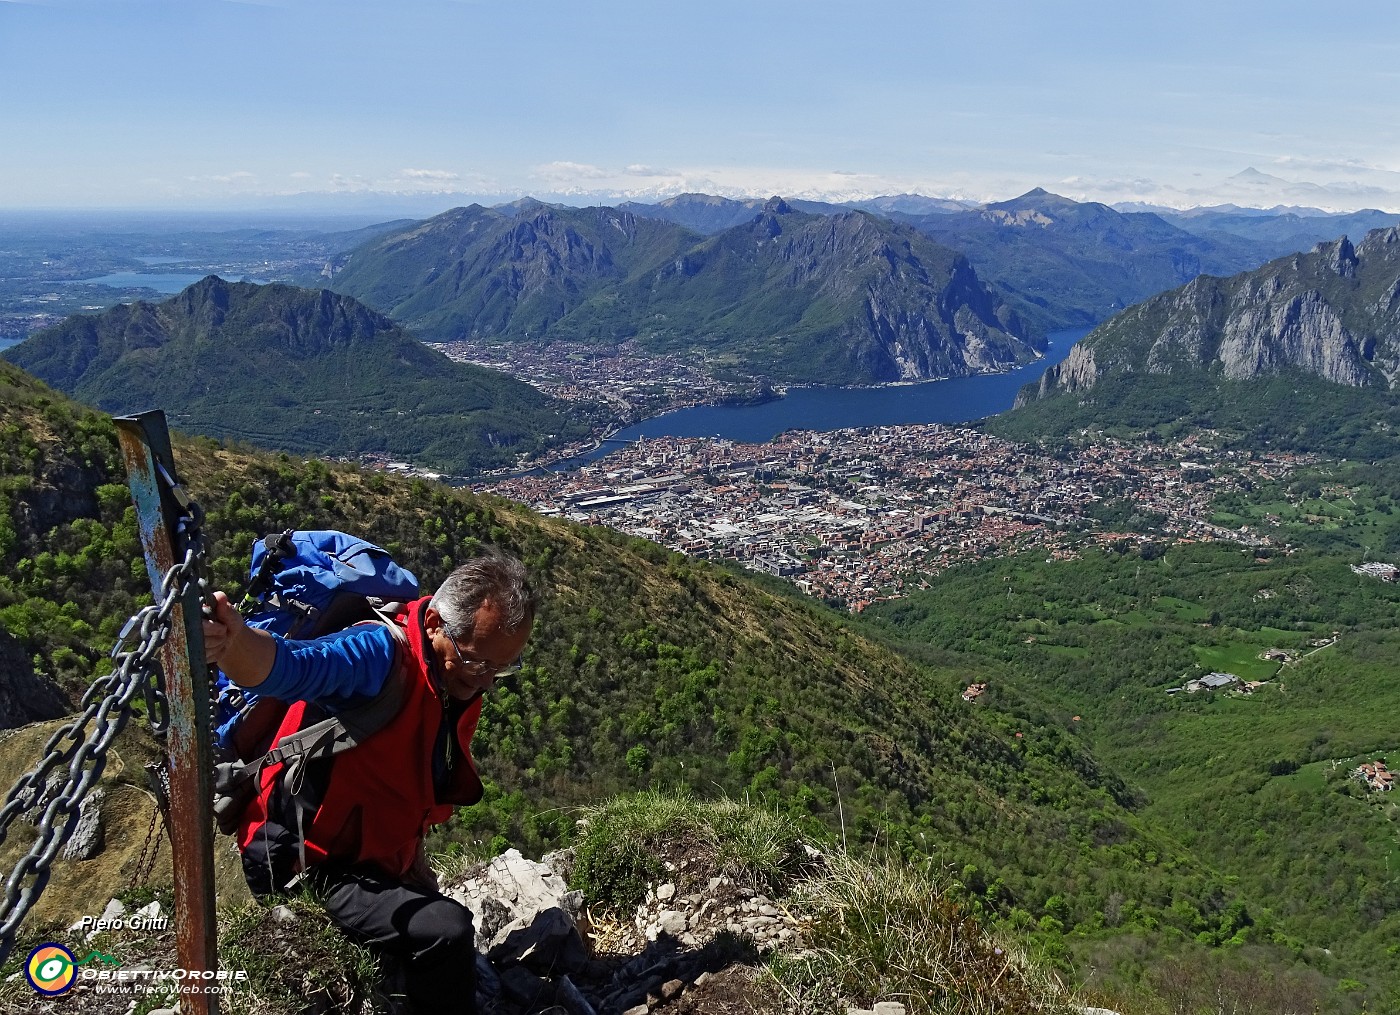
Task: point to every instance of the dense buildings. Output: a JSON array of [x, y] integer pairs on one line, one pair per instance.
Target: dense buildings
[[858, 515]]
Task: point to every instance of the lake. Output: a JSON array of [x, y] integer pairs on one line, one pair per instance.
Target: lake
[[956, 400]]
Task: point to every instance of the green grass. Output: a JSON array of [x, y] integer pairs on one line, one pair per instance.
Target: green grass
[[1182, 610], [1239, 658], [877, 927], [618, 854], [302, 964]]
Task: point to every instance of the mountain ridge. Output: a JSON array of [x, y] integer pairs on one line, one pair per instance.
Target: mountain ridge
[[1066, 263], [1334, 313], [778, 295], [298, 369]]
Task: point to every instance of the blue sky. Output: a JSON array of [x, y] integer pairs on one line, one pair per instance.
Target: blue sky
[[240, 103]]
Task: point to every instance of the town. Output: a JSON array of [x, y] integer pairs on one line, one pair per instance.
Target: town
[[634, 385], [858, 516]]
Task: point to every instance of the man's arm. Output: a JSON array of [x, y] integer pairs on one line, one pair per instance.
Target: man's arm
[[332, 670]]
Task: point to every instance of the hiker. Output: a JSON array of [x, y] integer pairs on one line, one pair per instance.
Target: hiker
[[354, 831]]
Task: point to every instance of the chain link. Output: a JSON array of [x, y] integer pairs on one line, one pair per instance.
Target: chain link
[[81, 746], [146, 862]]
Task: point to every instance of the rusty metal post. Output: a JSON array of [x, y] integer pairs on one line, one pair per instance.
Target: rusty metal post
[[145, 444]]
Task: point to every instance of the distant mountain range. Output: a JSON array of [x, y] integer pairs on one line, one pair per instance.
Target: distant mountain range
[[1069, 264], [707, 214], [1282, 231], [847, 297], [1333, 313], [780, 291], [1065, 263], [295, 369]]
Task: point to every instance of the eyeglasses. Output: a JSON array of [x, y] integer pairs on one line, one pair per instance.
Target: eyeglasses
[[480, 667]]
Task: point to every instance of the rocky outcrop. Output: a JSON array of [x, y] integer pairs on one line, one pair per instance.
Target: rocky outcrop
[[86, 841], [1333, 313], [25, 696], [538, 946]]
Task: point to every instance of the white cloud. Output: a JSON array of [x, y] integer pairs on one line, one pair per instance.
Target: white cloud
[[349, 184], [299, 175], [428, 174], [568, 172], [637, 169]]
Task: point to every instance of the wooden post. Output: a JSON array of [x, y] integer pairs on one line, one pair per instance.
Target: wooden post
[[145, 444]]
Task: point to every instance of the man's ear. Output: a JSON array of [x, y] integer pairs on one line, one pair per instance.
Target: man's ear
[[432, 620]]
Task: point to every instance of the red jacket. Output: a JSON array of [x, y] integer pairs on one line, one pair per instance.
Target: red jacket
[[379, 799]]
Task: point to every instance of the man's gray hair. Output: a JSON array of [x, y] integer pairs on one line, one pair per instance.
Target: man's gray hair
[[492, 575]]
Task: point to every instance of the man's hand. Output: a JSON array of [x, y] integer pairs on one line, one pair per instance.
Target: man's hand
[[244, 653], [219, 622]]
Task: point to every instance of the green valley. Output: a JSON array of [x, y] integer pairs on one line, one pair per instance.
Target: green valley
[[653, 670], [1258, 785]]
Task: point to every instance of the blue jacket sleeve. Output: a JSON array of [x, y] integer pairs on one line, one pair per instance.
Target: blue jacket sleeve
[[336, 670]]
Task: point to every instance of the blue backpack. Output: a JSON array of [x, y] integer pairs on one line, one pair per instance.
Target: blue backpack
[[306, 584], [303, 585]]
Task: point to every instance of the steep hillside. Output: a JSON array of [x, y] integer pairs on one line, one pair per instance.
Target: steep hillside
[[509, 272], [1333, 314], [1074, 264], [830, 298], [308, 371], [846, 298], [648, 669]]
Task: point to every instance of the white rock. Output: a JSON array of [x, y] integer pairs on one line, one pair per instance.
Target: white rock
[[86, 840], [666, 892]]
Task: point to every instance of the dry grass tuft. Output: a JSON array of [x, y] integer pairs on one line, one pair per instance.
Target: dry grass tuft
[[882, 930]]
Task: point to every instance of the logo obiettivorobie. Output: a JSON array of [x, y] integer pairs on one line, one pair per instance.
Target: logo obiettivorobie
[[51, 969]]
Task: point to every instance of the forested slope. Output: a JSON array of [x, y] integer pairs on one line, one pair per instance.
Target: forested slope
[[647, 669], [306, 370]]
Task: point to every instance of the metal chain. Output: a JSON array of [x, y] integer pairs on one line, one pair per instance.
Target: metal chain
[[158, 776], [146, 862], [82, 744]]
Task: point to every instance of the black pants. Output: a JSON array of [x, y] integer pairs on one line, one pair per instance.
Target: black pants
[[428, 936]]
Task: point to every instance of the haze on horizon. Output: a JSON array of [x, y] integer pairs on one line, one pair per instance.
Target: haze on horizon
[[337, 104]]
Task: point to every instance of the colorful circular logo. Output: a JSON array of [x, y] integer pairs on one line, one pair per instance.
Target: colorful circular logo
[[51, 969]]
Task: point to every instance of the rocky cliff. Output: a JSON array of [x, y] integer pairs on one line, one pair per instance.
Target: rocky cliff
[[1333, 313]]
